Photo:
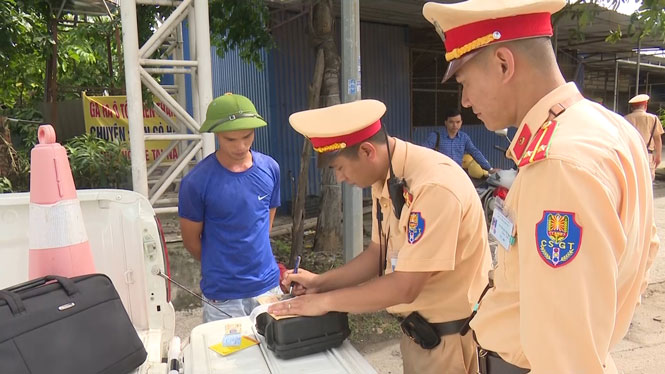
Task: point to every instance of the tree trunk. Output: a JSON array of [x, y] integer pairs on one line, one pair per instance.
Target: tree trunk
[[7, 153], [52, 72], [109, 59], [298, 228], [329, 225], [121, 61]]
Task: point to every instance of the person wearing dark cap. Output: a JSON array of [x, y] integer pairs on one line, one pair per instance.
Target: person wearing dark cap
[[578, 232], [226, 205], [649, 126], [428, 257]]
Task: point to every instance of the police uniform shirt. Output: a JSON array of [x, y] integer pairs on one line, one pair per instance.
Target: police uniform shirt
[[644, 123], [441, 229], [584, 236]]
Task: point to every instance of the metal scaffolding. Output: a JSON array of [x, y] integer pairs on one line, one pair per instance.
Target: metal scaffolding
[[163, 54]]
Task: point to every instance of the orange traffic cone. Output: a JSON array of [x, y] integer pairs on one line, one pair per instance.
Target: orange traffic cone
[[58, 240]]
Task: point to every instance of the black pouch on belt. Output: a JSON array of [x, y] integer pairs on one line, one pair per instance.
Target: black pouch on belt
[[420, 331]]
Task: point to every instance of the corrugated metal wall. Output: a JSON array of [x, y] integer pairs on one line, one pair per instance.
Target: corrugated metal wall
[[384, 56], [383, 48], [482, 138], [281, 89], [291, 66]]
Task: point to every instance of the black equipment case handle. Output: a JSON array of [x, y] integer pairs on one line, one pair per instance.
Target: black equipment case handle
[[66, 283]]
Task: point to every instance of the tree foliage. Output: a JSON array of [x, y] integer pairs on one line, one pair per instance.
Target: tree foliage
[[98, 163], [240, 25], [24, 41], [650, 18], [89, 58], [647, 20], [83, 57], [85, 45]]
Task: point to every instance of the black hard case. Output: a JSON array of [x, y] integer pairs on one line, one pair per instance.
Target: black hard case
[[72, 325], [300, 336]]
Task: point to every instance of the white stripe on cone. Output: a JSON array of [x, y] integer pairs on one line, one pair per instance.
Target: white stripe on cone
[[56, 225]]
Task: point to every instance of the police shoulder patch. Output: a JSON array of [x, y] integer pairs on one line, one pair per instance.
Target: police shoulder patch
[[415, 227], [539, 147], [558, 238]]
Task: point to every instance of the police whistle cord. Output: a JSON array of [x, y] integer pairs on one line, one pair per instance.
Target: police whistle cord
[[155, 271]]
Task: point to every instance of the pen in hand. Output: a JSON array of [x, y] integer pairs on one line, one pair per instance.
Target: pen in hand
[[295, 271]]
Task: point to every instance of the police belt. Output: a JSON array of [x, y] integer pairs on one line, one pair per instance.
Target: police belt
[[491, 363], [441, 328], [428, 335], [449, 328]]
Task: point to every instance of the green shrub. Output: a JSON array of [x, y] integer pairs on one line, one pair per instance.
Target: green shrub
[[19, 176], [25, 131], [5, 185], [98, 163]]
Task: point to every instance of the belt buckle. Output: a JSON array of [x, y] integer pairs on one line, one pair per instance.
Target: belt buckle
[[482, 361]]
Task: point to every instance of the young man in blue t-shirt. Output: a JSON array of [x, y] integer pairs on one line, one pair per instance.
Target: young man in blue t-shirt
[[226, 206]]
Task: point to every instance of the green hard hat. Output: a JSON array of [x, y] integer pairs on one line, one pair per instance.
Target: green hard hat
[[231, 112]]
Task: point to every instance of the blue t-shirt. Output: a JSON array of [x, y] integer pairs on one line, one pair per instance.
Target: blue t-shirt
[[236, 258]]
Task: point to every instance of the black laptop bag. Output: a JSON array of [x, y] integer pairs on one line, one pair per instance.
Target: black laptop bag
[[59, 325]]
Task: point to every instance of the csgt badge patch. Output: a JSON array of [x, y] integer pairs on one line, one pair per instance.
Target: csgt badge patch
[[416, 227], [558, 238]]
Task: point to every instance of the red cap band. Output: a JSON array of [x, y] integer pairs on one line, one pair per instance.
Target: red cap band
[[342, 141], [510, 28]]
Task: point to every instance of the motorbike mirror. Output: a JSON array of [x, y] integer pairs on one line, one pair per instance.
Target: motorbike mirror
[[502, 132]]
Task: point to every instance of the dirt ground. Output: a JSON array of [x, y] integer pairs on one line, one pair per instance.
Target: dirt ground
[[642, 351]]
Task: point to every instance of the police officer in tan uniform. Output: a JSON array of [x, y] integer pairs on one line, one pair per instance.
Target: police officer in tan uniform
[[428, 258], [648, 125], [576, 233]]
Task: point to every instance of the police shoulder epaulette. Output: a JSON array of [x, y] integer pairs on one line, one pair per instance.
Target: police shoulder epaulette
[[540, 144], [408, 196]]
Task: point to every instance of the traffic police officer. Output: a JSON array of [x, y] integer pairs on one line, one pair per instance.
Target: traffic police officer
[[648, 125], [576, 232], [428, 248]]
